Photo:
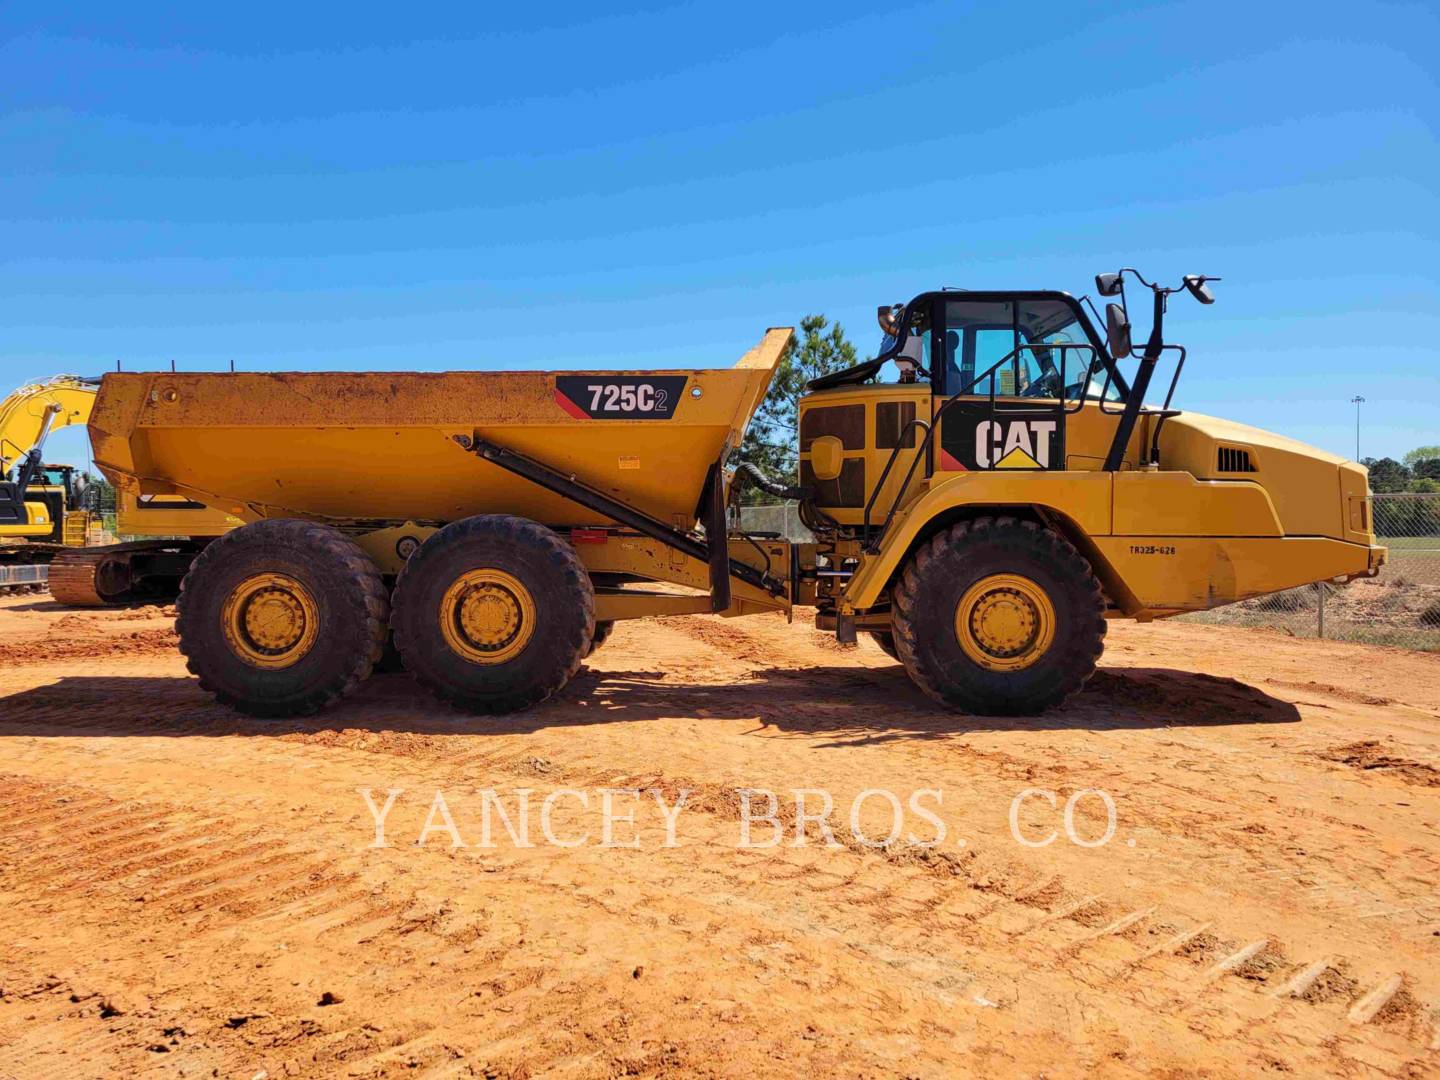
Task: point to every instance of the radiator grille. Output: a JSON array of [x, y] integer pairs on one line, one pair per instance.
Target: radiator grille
[[845, 422], [890, 419], [847, 489], [1234, 459]]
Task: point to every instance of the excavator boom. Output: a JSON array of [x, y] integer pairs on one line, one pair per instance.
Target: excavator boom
[[62, 401]]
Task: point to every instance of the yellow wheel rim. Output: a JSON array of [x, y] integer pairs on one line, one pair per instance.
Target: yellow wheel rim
[[270, 620], [487, 616], [1005, 622]]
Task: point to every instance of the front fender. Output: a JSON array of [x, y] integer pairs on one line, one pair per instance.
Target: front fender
[[1084, 497]]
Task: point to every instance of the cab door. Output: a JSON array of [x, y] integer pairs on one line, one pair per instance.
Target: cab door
[[1010, 413]]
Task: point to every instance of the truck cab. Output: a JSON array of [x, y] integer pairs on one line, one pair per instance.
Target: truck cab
[[1019, 407]]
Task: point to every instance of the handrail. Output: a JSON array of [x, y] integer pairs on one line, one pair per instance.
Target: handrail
[[1165, 411], [920, 451], [885, 472], [1085, 385]]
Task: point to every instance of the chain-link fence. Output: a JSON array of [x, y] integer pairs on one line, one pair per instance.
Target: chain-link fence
[[1399, 607], [783, 520]]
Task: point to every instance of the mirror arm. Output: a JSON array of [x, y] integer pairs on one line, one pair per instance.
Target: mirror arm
[[1126, 426], [1156, 341]]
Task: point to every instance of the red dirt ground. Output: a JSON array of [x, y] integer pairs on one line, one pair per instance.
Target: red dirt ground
[[184, 891]]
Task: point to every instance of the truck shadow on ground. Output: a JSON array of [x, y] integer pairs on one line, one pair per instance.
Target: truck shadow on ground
[[864, 705]]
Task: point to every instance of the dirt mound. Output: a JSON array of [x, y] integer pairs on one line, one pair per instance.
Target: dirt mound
[[76, 637], [1371, 754], [1180, 695]]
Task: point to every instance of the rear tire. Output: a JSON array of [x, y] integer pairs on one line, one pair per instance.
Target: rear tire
[[603, 629], [390, 662], [281, 617], [494, 613], [999, 617]]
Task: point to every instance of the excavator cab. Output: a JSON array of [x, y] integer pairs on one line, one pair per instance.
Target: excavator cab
[[34, 504]]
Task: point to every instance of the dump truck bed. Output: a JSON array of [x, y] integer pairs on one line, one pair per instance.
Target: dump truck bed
[[392, 446]]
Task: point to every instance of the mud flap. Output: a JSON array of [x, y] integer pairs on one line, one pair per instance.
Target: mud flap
[[717, 539]]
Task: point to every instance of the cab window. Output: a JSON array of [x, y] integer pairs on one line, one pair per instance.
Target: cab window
[[979, 334]]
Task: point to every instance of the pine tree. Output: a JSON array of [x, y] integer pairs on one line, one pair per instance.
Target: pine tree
[[770, 443]]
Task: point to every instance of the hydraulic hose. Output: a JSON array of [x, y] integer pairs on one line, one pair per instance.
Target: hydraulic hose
[[747, 475], [811, 516]]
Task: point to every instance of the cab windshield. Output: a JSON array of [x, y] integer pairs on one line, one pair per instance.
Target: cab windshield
[[1043, 338]]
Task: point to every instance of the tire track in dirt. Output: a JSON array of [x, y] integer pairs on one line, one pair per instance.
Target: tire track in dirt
[[905, 948], [219, 887], [1195, 696], [415, 746], [1052, 905]]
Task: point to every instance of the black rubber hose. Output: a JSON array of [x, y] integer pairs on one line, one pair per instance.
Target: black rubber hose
[[816, 520], [747, 475]]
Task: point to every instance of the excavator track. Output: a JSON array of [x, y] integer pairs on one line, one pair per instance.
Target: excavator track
[[24, 565], [111, 575], [73, 576]]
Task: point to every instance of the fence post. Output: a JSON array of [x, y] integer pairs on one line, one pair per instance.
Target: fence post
[[1320, 588]]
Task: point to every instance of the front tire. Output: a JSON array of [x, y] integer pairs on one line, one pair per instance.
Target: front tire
[[494, 613], [886, 640], [282, 617], [999, 617]]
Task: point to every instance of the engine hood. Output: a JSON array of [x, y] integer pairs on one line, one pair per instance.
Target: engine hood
[[1312, 489]]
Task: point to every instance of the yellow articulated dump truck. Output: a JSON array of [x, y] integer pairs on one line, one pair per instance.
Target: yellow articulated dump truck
[[44, 534], [981, 516]]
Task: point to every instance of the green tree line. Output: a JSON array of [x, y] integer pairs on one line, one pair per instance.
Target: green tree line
[[771, 440], [1418, 471]]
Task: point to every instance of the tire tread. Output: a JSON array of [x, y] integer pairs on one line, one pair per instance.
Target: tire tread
[[367, 599], [1080, 647], [545, 544]]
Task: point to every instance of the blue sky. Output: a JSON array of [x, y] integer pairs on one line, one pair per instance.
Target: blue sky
[[506, 186]]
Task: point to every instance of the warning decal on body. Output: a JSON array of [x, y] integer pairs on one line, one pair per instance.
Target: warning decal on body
[[619, 397]]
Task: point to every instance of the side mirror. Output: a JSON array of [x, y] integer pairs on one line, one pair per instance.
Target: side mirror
[[1109, 284], [1195, 283], [1117, 331]]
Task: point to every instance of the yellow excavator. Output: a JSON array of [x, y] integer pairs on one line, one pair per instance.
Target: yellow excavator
[[44, 532], [38, 514]]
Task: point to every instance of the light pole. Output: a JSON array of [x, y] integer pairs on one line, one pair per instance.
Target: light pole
[[1357, 401]]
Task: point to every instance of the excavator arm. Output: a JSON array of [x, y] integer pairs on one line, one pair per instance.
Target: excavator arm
[[32, 412]]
